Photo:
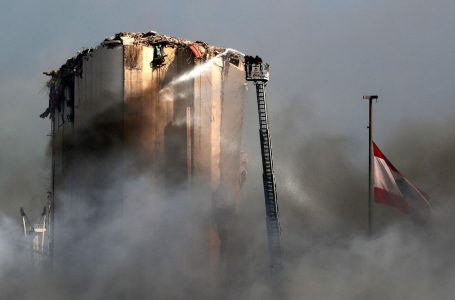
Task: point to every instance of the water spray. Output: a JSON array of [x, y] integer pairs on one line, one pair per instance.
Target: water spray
[[199, 69]]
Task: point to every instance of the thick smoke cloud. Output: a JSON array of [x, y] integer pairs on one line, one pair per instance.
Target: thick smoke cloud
[[151, 243], [154, 245], [325, 221]]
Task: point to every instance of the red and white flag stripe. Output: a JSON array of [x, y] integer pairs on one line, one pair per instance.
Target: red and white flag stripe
[[393, 189]]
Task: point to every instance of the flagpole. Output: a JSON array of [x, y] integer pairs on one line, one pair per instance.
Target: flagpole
[[370, 161]]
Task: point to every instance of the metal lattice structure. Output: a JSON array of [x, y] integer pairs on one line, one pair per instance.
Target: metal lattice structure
[[258, 72]]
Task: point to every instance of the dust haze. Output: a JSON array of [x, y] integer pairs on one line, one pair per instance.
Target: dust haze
[[153, 245]]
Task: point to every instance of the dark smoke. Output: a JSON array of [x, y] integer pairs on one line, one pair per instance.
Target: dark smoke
[[151, 246], [324, 213]]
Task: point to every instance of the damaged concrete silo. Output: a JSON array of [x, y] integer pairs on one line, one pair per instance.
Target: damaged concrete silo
[[148, 102]]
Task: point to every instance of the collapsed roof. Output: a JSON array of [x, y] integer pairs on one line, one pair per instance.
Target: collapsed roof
[[73, 66]]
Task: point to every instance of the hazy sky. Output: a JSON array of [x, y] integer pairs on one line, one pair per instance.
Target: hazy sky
[[324, 54]]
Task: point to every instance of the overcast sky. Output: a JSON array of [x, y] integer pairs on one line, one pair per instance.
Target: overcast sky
[[324, 55]]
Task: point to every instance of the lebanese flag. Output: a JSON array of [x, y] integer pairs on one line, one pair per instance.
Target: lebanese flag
[[393, 189]]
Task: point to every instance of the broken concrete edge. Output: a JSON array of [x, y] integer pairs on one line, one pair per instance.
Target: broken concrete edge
[[73, 66], [151, 38]]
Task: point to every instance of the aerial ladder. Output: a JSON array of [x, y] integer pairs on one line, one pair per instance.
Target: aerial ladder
[[37, 234], [258, 72]]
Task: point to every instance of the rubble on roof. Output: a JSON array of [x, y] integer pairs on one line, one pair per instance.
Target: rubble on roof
[[152, 38], [73, 66]]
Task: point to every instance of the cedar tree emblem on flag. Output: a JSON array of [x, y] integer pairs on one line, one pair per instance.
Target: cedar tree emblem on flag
[[393, 189]]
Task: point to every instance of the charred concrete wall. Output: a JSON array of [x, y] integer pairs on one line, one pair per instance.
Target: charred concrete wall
[[147, 103]]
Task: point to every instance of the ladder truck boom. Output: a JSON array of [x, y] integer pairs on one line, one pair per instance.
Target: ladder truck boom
[[258, 72]]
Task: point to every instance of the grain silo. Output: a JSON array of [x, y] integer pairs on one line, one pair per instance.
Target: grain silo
[[145, 101]]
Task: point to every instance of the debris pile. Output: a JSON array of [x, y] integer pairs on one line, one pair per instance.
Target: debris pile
[[73, 66]]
